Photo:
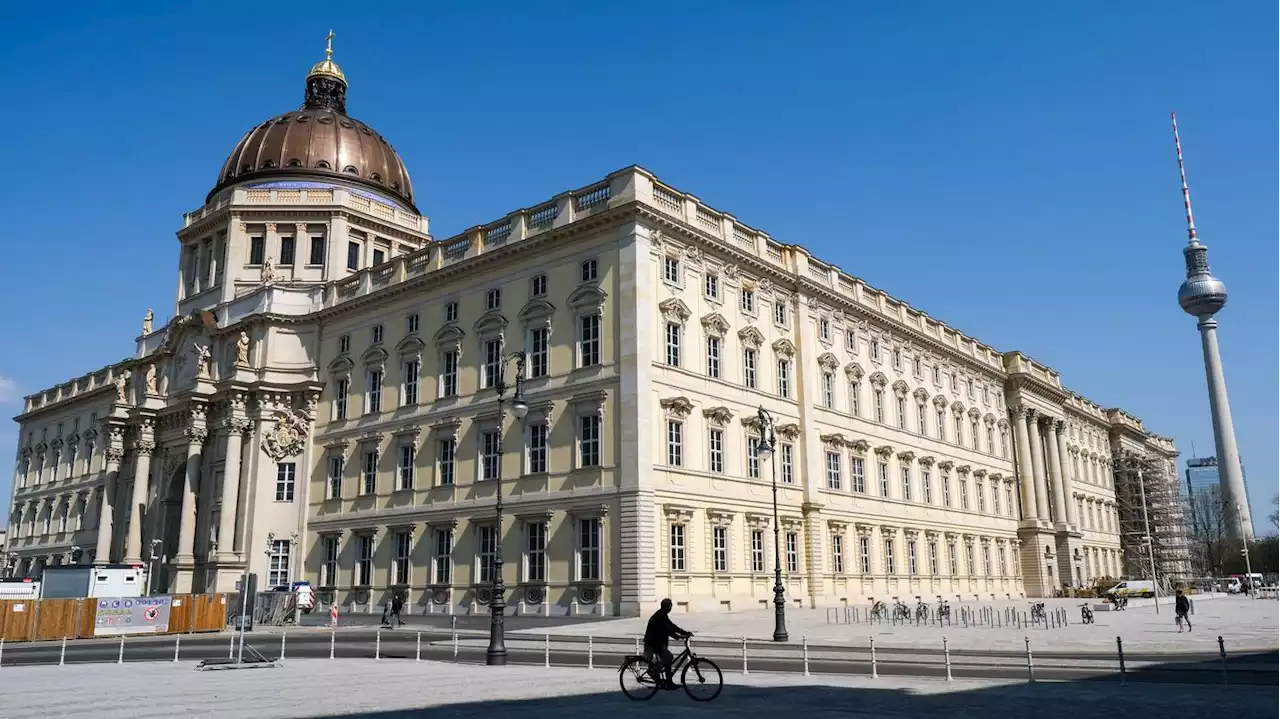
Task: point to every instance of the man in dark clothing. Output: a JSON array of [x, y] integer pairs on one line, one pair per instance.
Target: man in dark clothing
[[1182, 611], [397, 606], [656, 634]]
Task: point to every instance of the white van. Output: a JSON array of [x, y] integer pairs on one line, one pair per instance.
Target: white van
[[1133, 588]]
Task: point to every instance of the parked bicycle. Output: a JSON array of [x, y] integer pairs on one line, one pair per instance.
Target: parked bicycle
[[901, 611], [1086, 613], [640, 679], [944, 610], [879, 611], [922, 611], [1037, 612]]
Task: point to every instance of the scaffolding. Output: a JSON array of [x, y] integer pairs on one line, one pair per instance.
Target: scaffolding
[[1152, 514]]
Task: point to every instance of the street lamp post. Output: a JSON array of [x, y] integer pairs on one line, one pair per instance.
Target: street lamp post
[[765, 449], [152, 563], [496, 654]]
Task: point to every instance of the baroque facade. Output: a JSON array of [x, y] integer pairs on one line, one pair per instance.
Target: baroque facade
[[323, 406]]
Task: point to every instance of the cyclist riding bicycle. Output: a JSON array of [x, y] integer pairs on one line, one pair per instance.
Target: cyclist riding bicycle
[[659, 630]]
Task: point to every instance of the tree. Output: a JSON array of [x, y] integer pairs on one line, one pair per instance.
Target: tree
[[1275, 515], [1211, 543]]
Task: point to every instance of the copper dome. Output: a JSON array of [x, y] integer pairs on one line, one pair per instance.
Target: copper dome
[[319, 141]]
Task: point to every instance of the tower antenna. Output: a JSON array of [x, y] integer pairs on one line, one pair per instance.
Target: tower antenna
[[1186, 191]]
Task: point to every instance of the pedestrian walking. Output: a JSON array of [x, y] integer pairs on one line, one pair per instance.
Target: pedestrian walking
[[397, 606], [1182, 611]]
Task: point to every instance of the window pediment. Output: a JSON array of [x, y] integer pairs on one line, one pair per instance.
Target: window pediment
[[784, 348], [957, 408], [537, 311], [751, 337], [341, 366], [789, 431], [374, 356], [900, 388], [921, 395], [674, 310], [588, 297], [718, 416], [854, 371], [490, 323], [448, 336], [715, 324], [676, 407], [410, 346], [940, 402], [828, 361], [878, 379]]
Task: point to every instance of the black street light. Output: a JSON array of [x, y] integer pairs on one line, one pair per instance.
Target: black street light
[[496, 654], [765, 449]]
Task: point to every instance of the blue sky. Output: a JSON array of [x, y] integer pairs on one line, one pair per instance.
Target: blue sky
[[1008, 167]]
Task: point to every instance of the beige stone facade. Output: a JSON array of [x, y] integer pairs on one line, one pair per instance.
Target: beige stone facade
[[334, 418]]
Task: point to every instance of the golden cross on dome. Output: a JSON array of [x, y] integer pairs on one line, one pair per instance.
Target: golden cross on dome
[[328, 46]]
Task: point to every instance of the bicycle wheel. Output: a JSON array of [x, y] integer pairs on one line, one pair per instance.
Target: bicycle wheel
[[702, 680], [636, 681]]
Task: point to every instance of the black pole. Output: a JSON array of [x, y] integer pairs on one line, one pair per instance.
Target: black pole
[[496, 654], [779, 593]]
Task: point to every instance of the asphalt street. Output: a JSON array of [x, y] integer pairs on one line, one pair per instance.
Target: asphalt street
[[436, 645]]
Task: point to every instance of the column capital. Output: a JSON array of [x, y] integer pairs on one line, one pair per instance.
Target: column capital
[[144, 446], [196, 435]]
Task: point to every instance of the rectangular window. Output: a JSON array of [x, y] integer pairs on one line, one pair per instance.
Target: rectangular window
[[864, 554], [589, 441], [793, 553], [897, 358], [537, 450], [875, 350], [287, 251], [405, 470], [375, 333], [411, 323], [878, 408], [676, 558], [278, 571], [329, 565], [858, 480], [837, 554], [757, 550], [973, 433], [753, 457], [780, 313], [353, 255], [1008, 501], [1000, 560], [902, 412], [720, 548], [824, 329], [590, 270], [448, 449], [749, 368], [488, 552], [906, 484], [492, 360], [336, 465], [888, 557], [855, 399], [535, 552], [991, 440], [589, 549], [940, 418], [951, 558], [926, 485], [286, 477], [400, 559], [317, 251], [933, 557], [379, 257], [828, 390], [449, 374], [673, 344], [671, 270], [986, 560], [964, 494], [834, 480], [911, 557], [713, 357], [675, 444], [451, 312], [884, 479], [344, 344], [374, 403], [411, 369], [340, 402], [257, 250], [715, 445], [370, 475], [959, 427], [589, 340], [980, 492], [748, 301], [784, 378], [920, 422], [968, 559], [787, 452], [489, 455], [443, 560], [946, 489], [364, 560], [712, 286], [493, 299], [538, 286], [539, 352]]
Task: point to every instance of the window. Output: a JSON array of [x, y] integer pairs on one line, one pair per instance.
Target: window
[[941, 419], [317, 251], [671, 270], [757, 550], [878, 395], [837, 554], [906, 484], [968, 558], [538, 286], [824, 329], [712, 286], [937, 375], [748, 301], [379, 257], [286, 477], [590, 270], [884, 478], [589, 553], [720, 548], [278, 572], [400, 558], [858, 480], [926, 485], [353, 255], [589, 441], [784, 378], [676, 558], [920, 422], [448, 450], [855, 401], [1002, 565], [493, 299], [780, 313], [370, 475], [336, 465], [1008, 501], [787, 452], [257, 250], [489, 453], [912, 569], [888, 557], [375, 334], [864, 554], [449, 374], [834, 480], [979, 491], [828, 390], [951, 558], [364, 560], [675, 444], [968, 388], [374, 403], [973, 433], [537, 450], [713, 357], [917, 366], [589, 340], [715, 444], [946, 489], [875, 350], [897, 358], [444, 556], [488, 552], [986, 560], [344, 344], [673, 344], [902, 412], [329, 567], [753, 457], [492, 363], [411, 369], [287, 251], [933, 557], [959, 423], [451, 312], [851, 341], [991, 440], [995, 498], [749, 368], [405, 470], [964, 493], [793, 553], [539, 354], [535, 552], [955, 384], [339, 404], [1004, 443], [411, 323]]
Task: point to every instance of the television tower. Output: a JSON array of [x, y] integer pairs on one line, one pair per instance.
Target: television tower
[[1201, 296]]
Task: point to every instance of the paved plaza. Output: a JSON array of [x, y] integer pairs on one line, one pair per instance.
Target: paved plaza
[[390, 689]]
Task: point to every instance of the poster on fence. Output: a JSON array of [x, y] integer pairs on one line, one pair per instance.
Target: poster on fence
[[131, 615]]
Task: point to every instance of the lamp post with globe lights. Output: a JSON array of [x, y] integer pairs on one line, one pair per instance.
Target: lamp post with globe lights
[[496, 654], [765, 449]]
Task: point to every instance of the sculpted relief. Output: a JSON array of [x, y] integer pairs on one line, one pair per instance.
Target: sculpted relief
[[288, 436]]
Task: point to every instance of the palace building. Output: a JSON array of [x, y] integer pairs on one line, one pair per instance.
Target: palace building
[[324, 406]]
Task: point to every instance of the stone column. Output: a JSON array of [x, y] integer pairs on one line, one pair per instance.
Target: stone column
[[236, 427], [185, 559], [1037, 466], [1054, 466], [1064, 459], [143, 446], [114, 453], [1026, 478]]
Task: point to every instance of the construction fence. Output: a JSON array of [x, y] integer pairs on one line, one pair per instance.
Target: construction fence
[[24, 620]]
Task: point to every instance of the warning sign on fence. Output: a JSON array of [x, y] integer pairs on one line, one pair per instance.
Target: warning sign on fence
[[131, 615]]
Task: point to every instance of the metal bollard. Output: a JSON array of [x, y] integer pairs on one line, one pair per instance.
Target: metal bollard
[[1031, 665], [377, 645], [591, 652], [1124, 678], [120, 656], [1222, 652], [333, 637], [744, 655], [874, 673], [946, 653], [62, 655], [231, 646], [282, 638], [455, 637], [804, 645], [177, 643], [1, 651], [417, 654], [546, 650]]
